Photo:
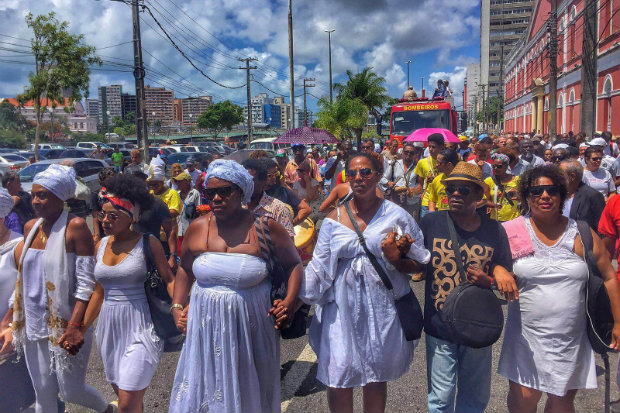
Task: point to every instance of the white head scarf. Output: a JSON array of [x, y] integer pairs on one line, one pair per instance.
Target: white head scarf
[[157, 169], [233, 172], [58, 179], [6, 203]]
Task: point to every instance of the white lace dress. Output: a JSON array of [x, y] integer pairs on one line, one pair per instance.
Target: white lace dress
[[130, 349], [231, 357], [545, 342]]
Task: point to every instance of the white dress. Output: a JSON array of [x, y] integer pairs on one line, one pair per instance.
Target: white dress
[[231, 357], [545, 342], [130, 349], [355, 332]]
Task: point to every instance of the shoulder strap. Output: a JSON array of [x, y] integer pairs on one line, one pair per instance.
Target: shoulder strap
[[456, 247], [148, 254], [588, 247], [371, 257], [263, 241]]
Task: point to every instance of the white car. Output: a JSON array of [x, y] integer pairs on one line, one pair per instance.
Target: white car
[[11, 162], [46, 146], [91, 145]]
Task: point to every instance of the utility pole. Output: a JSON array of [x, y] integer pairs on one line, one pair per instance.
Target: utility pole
[[589, 69], [422, 77], [484, 109], [329, 35], [500, 91], [247, 68], [139, 73], [291, 72], [305, 107], [552, 26], [408, 63]]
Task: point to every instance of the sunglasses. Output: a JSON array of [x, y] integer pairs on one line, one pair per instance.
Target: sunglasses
[[557, 158], [112, 216], [499, 166], [597, 159], [222, 192], [551, 190], [370, 148], [408, 152], [364, 172], [463, 190]]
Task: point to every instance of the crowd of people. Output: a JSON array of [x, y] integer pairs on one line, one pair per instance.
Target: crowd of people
[[490, 211]]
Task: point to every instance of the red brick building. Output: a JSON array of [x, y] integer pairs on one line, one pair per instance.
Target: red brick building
[[527, 70]]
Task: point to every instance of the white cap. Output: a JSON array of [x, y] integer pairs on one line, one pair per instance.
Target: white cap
[[598, 142]]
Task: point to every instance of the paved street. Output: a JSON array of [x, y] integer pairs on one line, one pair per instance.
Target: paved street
[[301, 392]]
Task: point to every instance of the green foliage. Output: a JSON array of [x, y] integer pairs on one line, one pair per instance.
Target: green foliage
[[222, 115], [124, 127], [493, 104], [11, 118], [89, 137], [62, 62], [11, 138], [344, 118]]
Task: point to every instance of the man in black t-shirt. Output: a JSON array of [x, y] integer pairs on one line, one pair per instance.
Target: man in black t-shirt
[[487, 259], [301, 209]]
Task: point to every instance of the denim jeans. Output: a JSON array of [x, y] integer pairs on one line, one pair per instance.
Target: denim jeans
[[459, 377]]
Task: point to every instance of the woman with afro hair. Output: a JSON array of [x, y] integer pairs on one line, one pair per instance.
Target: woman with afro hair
[[129, 347]]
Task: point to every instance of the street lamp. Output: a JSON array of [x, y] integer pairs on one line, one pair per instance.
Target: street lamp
[[51, 110], [422, 77], [107, 124], [154, 122], [408, 63], [329, 36], [191, 127]]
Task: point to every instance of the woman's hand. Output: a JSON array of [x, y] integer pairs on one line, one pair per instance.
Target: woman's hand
[[390, 249], [283, 312], [404, 244], [507, 285], [615, 337], [72, 340], [6, 339], [476, 276], [180, 318]]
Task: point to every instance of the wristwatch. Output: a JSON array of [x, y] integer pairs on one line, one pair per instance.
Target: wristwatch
[[175, 306]]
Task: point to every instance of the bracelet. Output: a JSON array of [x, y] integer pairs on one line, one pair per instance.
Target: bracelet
[[79, 325], [176, 306]]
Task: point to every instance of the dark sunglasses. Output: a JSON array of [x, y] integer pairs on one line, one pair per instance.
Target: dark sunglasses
[[499, 166], [463, 190], [558, 158], [408, 152], [112, 216], [597, 159], [551, 190], [370, 148], [222, 192], [364, 172]]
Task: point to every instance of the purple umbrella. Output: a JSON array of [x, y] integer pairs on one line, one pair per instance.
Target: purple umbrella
[[307, 136], [421, 135]]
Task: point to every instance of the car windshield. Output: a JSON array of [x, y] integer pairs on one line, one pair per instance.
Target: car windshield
[[27, 174], [261, 145], [405, 123], [17, 158]]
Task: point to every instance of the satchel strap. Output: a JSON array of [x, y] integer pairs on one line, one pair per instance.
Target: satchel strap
[[371, 257], [264, 240], [456, 248], [148, 254]]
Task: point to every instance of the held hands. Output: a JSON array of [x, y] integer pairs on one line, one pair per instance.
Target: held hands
[[180, 318], [615, 337], [282, 311], [393, 249], [507, 285], [6, 340], [476, 276], [72, 340]]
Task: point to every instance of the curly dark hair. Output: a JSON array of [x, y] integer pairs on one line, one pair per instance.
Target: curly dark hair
[[552, 172], [106, 173], [376, 164], [131, 188]]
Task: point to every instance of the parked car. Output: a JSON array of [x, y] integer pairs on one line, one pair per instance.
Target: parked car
[[8, 150], [123, 145], [13, 161], [126, 157], [74, 153], [267, 144], [173, 148], [91, 145], [85, 168], [46, 146], [50, 153], [181, 157], [28, 154], [163, 152], [190, 148]]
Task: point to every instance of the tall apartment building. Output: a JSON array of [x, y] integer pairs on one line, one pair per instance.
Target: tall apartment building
[[258, 113], [502, 23], [110, 104], [192, 108], [128, 104], [92, 108], [472, 80], [177, 110], [159, 104]]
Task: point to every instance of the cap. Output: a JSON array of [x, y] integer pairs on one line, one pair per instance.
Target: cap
[[598, 142], [463, 138], [484, 135], [280, 153], [465, 171], [183, 176]]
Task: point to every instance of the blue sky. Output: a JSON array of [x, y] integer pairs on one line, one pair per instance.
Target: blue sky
[[439, 36]]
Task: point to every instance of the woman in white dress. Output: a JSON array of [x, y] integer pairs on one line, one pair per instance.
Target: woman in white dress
[[356, 332], [231, 357], [546, 348], [130, 349]]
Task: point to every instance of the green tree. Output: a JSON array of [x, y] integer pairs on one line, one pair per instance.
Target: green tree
[[62, 62], [11, 117], [222, 115], [12, 138], [492, 106], [369, 88], [344, 118]]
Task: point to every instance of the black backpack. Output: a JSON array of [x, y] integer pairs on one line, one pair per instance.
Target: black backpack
[[472, 315]]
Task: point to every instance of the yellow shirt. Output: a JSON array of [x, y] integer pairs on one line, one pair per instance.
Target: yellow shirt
[[172, 199], [426, 169], [507, 211], [437, 193]]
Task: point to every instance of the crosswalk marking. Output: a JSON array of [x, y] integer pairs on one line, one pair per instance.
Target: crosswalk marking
[[296, 375]]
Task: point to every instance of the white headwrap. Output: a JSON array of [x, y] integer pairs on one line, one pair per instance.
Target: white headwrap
[[233, 172], [157, 169], [6, 203], [58, 179]]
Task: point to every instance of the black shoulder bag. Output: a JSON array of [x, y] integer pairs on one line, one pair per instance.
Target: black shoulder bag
[[279, 280], [160, 302], [407, 307], [472, 315], [600, 321]]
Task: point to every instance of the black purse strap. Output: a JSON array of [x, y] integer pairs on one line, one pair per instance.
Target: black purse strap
[[264, 241], [456, 248], [148, 254], [371, 257]]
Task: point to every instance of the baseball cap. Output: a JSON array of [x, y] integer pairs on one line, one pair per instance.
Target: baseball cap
[[598, 142], [463, 138], [183, 176], [280, 153]]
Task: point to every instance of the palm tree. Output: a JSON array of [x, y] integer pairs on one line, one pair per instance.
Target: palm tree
[[342, 118], [368, 87]]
